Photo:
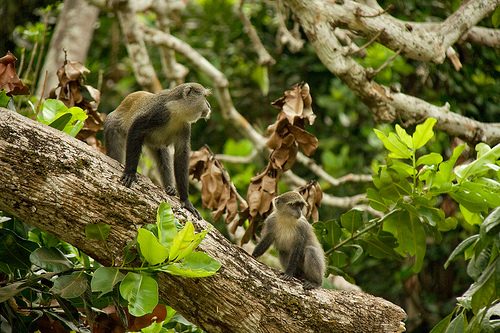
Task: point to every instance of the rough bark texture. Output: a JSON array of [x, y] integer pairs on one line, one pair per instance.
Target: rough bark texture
[[419, 41], [74, 32], [52, 181]]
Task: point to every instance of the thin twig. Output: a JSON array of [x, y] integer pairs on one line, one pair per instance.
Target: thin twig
[[389, 8], [372, 74], [368, 43], [41, 96]]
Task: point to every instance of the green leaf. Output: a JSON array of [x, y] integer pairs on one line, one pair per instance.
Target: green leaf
[[445, 174], [14, 250], [481, 165], [154, 252], [423, 133], [405, 137], [491, 221], [12, 289], [352, 221], [49, 110], [458, 324], [430, 159], [403, 169], [334, 232], [394, 145], [376, 200], [495, 18], [181, 241], [70, 286], [105, 278], [471, 217], [60, 122], [167, 229], [195, 264], [380, 246], [50, 259], [442, 325], [338, 258], [98, 231], [410, 233], [461, 248], [194, 244], [4, 98], [141, 292]]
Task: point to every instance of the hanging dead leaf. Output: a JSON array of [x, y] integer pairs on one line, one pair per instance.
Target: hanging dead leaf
[[9, 80], [313, 195], [297, 103], [217, 191], [308, 143]]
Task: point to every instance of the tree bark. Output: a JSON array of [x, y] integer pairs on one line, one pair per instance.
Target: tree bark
[[57, 183], [74, 32]]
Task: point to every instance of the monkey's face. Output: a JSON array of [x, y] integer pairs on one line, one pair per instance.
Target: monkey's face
[[295, 208]]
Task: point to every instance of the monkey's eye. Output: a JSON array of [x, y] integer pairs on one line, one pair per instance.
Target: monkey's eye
[[297, 205]]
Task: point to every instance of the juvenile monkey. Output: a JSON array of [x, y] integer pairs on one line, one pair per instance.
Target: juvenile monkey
[[158, 121], [300, 253]]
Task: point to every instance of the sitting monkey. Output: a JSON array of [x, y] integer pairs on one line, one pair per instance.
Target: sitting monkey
[[300, 253]]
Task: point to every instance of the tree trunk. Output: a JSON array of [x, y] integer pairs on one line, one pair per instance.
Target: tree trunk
[[50, 180], [74, 32]]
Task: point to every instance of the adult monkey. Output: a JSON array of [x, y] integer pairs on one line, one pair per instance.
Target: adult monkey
[[300, 253], [158, 121]]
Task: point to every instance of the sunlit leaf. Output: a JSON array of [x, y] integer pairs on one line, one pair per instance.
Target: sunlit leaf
[[195, 264], [165, 220], [392, 143], [154, 252], [423, 133], [405, 137], [352, 221]]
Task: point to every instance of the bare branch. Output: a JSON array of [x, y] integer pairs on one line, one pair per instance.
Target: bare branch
[[483, 36], [385, 105], [265, 58], [137, 51]]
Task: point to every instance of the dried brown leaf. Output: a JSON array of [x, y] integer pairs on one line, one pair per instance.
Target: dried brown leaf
[[8, 76], [307, 142]]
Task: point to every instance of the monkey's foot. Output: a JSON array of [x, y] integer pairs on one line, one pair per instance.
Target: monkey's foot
[[128, 178], [286, 277], [189, 206], [309, 285]]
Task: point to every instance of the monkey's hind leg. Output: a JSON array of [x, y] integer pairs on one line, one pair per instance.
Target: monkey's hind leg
[[165, 168], [314, 267], [114, 138]]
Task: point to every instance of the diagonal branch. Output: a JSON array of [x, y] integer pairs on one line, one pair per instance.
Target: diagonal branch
[[57, 183]]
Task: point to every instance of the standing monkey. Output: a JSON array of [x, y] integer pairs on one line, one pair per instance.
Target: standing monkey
[[158, 121], [300, 253]]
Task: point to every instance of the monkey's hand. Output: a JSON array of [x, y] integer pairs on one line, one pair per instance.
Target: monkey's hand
[[189, 206], [286, 277], [128, 178], [171, 191]]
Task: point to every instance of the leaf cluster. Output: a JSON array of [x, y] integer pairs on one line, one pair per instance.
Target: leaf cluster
[[39, 275]]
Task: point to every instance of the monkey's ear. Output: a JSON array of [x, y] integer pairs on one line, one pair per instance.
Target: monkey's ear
[[187, 91]]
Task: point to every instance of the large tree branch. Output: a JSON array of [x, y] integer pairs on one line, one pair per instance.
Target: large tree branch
[[52, 181], [386, 105], [419, 41]]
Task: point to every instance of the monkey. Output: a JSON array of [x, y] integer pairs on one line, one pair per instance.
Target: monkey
[[300, 253], [157, 121]]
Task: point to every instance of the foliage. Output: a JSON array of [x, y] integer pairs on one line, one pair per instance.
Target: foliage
[[407, 194], [38, 273], [55, 114]]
